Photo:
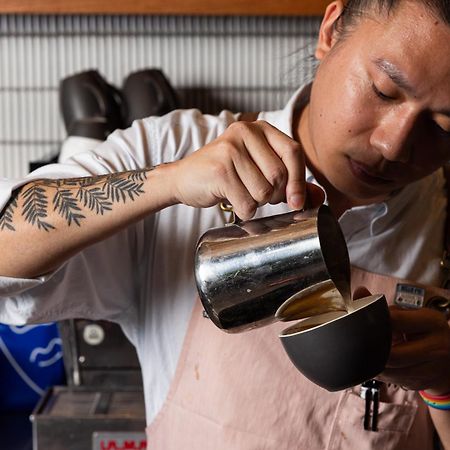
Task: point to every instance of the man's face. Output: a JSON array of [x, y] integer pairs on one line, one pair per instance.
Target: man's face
[[379, 115]]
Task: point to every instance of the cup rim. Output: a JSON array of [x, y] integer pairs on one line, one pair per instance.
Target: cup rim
[[330, 317]]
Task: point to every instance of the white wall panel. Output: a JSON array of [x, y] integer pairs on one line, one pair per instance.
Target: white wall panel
[[248, 63]]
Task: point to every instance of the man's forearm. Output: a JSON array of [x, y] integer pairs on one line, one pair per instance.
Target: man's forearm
[[441, 417], [441, 420], [47, 221]]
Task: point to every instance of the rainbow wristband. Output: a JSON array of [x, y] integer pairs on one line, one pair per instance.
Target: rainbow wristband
[[436, 401]]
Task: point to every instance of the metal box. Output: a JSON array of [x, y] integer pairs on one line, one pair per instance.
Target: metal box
[[102, 408], [84, 418]]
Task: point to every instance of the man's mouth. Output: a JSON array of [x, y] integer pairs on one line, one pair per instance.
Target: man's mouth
[[366, 174]]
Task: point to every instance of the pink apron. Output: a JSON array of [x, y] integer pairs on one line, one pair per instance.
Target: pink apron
[[240, 391]]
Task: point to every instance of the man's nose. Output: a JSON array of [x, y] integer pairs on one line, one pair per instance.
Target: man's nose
[[393, 136]]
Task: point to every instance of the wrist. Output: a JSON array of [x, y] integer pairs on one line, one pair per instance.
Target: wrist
[[441, 402], [161, 185]]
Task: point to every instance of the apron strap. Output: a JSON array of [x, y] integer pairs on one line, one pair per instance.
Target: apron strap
[[445, 262]]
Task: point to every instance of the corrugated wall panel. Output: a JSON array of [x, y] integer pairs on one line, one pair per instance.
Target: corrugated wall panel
[[239, 63]]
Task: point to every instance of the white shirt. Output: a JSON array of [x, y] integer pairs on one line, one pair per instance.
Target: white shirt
[[142, 277]]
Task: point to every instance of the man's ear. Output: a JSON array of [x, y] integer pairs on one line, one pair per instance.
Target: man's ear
[[327, 35]]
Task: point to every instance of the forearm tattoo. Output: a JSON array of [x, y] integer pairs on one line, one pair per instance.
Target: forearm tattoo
[[68, 197]]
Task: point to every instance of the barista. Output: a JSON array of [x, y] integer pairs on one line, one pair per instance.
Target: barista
[[373, 129]]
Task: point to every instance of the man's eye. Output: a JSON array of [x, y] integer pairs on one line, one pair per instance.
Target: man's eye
[[380, 94]]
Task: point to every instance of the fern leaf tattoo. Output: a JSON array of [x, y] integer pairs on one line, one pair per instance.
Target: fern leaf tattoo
[[35, 207], [98, 194], [6, 222], [65, 204], [94, 199], [119, 189], [138, 175]]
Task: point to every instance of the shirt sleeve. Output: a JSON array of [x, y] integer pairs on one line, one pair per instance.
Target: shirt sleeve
[[101, 281], [97, 282]]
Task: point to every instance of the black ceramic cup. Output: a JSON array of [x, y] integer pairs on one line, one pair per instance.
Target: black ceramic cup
[[338, 350]]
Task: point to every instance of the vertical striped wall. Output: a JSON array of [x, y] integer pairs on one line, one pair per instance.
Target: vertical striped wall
[[239, 63]]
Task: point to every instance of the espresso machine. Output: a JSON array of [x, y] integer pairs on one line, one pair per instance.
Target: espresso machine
[[102, 405]]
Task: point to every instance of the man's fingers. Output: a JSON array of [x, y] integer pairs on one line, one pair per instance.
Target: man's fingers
[[269, 164], [416, 321], [419, 376], [417, 351], [236, 193], [294, 160], [292, 155], [251, 176]]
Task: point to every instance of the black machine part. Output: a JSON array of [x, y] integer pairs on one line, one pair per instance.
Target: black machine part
[[147, 93], [92, 107], [97, 353], [87, 98]]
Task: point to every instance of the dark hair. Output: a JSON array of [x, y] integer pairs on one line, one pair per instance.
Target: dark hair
[[355, 9]]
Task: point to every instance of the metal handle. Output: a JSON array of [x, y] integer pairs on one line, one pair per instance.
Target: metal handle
[[228, 207]]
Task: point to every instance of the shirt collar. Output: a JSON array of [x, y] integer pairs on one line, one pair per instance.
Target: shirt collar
[[381, 216]]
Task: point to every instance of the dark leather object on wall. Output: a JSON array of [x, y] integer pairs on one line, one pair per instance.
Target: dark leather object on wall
[[147, 93], [90, 106]]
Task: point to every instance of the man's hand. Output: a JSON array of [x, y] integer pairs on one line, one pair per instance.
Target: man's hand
[[420, 354], [250, 164]]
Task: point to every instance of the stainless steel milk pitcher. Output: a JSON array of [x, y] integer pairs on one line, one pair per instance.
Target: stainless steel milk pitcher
[[252, 273]]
